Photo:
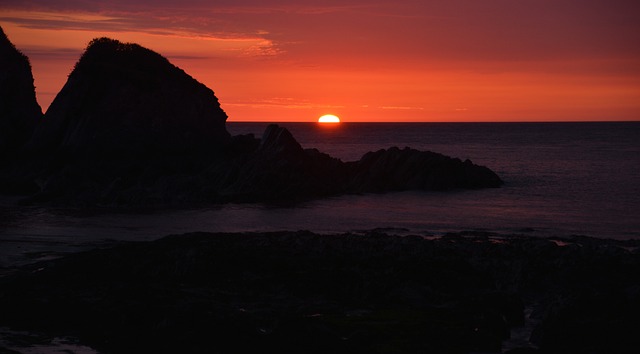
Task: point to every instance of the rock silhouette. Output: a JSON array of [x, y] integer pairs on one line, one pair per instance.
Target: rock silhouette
[[404, 169], [130, 128], [124, 99], [19, 109], [280, 169]]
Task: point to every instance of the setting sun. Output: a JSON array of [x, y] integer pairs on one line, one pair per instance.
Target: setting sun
[[329, 118]]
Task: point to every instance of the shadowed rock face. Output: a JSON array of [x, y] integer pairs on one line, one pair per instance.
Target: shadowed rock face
[[19, 109], [122, 98]]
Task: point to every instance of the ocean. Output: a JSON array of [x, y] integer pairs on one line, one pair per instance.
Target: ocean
[[561, 179]]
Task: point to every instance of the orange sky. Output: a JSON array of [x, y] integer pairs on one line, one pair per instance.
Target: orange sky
[[415, 60]]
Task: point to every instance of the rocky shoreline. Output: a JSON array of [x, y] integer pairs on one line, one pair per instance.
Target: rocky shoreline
[[131, 129], [344, 293]]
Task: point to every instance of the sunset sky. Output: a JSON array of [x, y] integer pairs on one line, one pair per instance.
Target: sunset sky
[[414, 60]]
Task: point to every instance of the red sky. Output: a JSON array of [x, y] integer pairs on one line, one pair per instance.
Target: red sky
[[415, 60]]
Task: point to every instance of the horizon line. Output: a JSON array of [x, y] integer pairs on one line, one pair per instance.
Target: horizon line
[[442, 121]]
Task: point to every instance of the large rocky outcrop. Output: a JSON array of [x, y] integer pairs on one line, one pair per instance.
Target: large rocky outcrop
[[19, 109], [404, 169], [124, 99], [275, 168], [280, 169], [129, 128]]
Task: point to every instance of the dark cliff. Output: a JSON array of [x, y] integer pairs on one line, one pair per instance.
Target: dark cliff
[[19, 109], [124, 99]]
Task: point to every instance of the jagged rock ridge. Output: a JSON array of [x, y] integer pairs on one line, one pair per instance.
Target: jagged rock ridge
[[280, 168], [19, 109]]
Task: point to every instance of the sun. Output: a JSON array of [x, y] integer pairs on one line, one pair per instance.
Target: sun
[[329, 118]]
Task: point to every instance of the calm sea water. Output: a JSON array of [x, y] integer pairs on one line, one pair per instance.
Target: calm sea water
[[561, 179]]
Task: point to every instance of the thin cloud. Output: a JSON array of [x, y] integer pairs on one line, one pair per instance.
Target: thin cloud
[[192, 7], [282, 102], [403, 108], [248, 44], [57, 22], [45, 53], [95, 22]]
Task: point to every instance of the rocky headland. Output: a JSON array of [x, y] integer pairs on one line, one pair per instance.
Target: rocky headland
[[299, 292], [19, 110], [129, 128]]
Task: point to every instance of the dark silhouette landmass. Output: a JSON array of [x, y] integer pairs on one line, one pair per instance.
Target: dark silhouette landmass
[[129, 128], [122, 100], [299, 292], [19, 109]]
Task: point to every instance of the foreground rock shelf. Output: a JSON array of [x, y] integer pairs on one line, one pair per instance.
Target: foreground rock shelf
[[347, 293]]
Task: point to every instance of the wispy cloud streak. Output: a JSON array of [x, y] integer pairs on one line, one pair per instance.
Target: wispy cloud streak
[[282, 102]]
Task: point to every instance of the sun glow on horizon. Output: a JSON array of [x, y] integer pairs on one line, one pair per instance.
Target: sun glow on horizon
[[329, 118]]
